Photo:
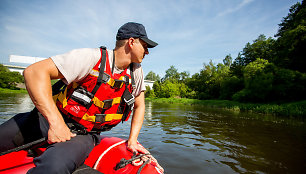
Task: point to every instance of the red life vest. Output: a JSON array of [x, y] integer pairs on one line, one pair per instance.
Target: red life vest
[[102, 99]]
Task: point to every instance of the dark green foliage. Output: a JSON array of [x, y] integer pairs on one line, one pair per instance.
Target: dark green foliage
[[9, 79], [168, 89], [230, 86], [260, 48], [291, 42], [149, 93]]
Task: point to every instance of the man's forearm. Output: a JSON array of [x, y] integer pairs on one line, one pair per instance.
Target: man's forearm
[[137, 118]]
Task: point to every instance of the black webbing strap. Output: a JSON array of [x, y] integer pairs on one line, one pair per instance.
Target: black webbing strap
[[132, 75], [101, 72], [56, 87], [113, 62], [25, 146]]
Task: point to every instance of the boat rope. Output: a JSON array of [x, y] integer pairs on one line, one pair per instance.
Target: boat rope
[[124, 162], [25, 146], [142, 166]]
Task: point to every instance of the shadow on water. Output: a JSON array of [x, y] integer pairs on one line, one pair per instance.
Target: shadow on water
[[195, 139]]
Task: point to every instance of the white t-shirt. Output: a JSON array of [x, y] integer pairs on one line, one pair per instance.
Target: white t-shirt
[[77, 64]]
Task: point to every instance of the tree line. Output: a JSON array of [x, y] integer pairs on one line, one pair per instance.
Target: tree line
[[9, 79], [266, 70]]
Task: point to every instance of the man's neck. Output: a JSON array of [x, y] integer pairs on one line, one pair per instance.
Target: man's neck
[[122, 59]]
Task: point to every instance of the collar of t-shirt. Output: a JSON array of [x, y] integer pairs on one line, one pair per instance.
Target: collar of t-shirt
[[111, 58]]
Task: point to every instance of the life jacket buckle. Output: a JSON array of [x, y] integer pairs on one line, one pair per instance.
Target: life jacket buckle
[[105, 78], [118, 83], [100, 118], [107, 103], [129, 99]]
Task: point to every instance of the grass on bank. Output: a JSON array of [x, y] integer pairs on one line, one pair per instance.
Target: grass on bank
[[293, 109], [16, 91]]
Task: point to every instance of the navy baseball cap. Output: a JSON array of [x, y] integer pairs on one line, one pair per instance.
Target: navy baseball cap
[[135, 30]]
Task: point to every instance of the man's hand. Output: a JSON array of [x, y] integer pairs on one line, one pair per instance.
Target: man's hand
[[135, 148], [59, 133]]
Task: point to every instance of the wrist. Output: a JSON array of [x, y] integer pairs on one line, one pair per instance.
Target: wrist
[[132, 141]]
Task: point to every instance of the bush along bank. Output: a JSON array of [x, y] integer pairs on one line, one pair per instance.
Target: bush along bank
[[293, 109]]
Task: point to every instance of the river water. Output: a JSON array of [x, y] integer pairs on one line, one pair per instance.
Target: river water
[[195, 139]]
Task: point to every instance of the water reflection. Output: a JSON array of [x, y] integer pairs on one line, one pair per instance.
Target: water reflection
[[196, 139], [222, 141], [11, 104]]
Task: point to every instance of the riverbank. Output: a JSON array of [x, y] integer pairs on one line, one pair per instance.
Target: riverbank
[[293, 109], [16, 91]]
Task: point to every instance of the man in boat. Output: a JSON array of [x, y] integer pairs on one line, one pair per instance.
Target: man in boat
[[101, 89]]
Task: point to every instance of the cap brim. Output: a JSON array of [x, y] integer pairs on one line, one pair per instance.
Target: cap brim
[[150, 43]]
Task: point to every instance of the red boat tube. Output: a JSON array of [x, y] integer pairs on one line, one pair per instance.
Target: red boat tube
[[104, 158]]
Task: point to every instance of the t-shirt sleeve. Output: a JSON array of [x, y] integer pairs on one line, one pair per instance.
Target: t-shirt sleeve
[[139, 79], [76, 64]]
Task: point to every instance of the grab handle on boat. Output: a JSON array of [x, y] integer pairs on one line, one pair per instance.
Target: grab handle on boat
[[123, 162]]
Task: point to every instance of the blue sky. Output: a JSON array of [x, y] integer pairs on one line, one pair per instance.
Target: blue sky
[[189, 32]]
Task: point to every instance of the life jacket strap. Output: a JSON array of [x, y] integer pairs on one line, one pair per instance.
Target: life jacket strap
[[101, 118], [105, 104], [132, 76], [62, 95], [101, 72]]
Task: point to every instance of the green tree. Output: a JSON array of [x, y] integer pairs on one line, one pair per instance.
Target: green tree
[[237, 66], [260, 48], [230, 86], [291, 40], [258, 83], [208, 83], [169, 89], [149, 93], [172, 74], [184, 76], [227, 61], [288, 85], [152, 76], [9, 79]]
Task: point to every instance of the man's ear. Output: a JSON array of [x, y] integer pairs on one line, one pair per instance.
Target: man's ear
[[131, 42]]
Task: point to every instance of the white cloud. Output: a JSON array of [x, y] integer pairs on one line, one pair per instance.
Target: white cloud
[[236, 8]]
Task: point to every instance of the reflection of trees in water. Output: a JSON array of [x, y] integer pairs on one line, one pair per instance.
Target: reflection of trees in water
[[12, 104], [245, 142]]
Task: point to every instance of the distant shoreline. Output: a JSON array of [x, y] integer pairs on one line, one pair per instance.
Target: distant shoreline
[[290, 109]]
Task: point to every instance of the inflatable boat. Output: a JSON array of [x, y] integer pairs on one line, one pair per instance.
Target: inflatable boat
[[109, 157]]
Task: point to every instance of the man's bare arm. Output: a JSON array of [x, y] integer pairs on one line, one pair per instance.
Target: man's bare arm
[[137, 121], [38, 83]]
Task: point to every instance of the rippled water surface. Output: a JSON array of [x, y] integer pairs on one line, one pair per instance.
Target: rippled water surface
[[195, 139]]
